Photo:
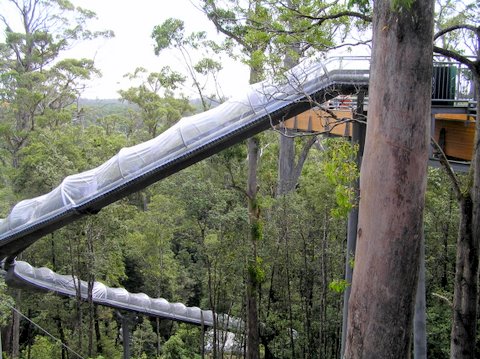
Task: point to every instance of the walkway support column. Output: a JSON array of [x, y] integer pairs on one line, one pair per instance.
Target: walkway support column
[[127, 320]]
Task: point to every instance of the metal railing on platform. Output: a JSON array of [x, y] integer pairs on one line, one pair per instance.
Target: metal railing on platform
[[452, 85]]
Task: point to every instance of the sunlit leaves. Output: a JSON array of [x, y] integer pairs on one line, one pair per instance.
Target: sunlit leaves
[[154, 96], [170, 33], [338, 285], [341, 171]]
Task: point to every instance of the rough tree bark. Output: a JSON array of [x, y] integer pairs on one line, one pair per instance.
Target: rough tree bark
[[16, 328], [466, 293], [465, 303], [392, 182], [289, 170]]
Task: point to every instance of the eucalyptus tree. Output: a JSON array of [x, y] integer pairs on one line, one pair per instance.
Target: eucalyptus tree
[[36, 86], [234, 21], [217, 220], [203, 71], [457, 37], [268, 34], [392, 182], [441, 231], [33, 80], [155, 98], [89, 249]]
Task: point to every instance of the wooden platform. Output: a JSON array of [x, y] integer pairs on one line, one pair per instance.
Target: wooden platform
[[319, 121], [454, 132]]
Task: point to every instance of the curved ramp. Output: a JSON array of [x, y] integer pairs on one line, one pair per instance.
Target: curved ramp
[[22, 274], [188, 141]]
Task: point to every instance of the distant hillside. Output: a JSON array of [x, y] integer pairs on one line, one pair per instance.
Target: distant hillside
[[98, 108]]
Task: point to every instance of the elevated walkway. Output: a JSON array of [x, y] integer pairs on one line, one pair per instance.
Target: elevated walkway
[[23, 275], [187, 142]]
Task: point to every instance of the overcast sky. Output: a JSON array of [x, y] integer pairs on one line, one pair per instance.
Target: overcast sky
[[132, 21]]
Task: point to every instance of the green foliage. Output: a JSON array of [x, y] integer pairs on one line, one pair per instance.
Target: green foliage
[[441, 219], [256, 271], [338, 285], [363, 5], [6, 303], [143, 340], [206, 66], [170, 35], [44, 348], [185, 238], [167, 34], [154, 96], [184, 344], [341, 171], [36, 86], [257, 230]]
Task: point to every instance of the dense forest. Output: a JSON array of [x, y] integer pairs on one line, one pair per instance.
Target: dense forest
[[257, 231]]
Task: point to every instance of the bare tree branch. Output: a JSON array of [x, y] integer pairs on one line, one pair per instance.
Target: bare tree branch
[[322, 18], [456, 56], [340, 14], [316, 21], [446, 165], [213, 16], [457, 27], [442, 297]]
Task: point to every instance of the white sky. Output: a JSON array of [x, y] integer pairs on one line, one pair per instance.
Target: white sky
[[132, 21]]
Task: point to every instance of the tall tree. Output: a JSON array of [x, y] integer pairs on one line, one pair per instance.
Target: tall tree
[[35, 86], [155, 97], [457, 37], [170, 34], [393, 178], [236, 23], [33, 80]]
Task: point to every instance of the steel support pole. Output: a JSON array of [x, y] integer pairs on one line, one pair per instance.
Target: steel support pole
[[202, 334], [127, 319], [126, 337]]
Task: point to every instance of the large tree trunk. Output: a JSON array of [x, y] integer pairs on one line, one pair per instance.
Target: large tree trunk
[[392, 182], [358, 138], [286, 164], [289, 170], [14, 334], [465, 302]]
